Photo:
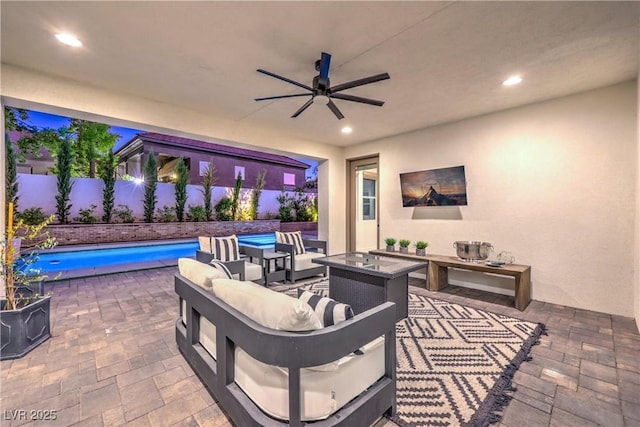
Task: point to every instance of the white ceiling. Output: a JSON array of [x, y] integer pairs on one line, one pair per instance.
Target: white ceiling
[[446, 59]]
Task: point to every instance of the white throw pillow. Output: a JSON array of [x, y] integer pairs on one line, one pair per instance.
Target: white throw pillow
[[205, 243], [269, 308], [198, 272]]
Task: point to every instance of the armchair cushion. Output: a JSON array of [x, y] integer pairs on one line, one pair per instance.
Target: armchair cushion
[[329, 311], [266, 307], [252, 271], [205, 243], [303, 261], [292, 238]]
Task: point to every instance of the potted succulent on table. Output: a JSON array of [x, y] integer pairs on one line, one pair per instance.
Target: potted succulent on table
[[24, 311], [390, 242], [421, 247], [404, 246]]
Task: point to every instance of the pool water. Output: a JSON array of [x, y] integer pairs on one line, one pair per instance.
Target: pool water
[[91, 258]]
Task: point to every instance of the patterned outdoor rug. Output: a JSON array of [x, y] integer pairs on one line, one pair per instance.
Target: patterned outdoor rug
[[454, 363]]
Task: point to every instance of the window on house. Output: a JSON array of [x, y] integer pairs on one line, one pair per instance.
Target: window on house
[[368, 199], [202, 168], [289, 179], [238, 170]]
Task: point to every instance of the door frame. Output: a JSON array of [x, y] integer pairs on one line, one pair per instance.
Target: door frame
[[351, 165]]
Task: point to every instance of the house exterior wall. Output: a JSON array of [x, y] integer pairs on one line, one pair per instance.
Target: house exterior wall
[[551, 182], [225, 167], [636, 267]]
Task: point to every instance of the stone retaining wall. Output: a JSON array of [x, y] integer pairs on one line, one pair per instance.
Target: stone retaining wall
[[302, 226], [84, 234]]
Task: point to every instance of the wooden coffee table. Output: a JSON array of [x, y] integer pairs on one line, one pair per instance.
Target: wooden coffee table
[[364, 281]]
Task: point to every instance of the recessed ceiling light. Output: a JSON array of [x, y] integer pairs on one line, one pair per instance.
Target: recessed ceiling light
[[513, 80], [68, 39], [347, 129]]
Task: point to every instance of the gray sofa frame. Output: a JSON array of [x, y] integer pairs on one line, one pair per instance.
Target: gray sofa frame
[[310, 246], [286, 349]]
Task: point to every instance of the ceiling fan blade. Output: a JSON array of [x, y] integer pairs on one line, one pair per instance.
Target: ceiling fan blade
[[357, 99], [282, 96], [334, 108], [284, 79], [360, 82], [323, 78], [304, 107]]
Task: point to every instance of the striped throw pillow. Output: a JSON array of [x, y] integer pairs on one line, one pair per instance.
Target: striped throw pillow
[[225, 248], [328, 310], [219, 265], [292, 238]]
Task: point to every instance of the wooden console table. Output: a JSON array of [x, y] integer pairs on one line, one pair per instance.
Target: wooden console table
[[439, 275], [438, 272]]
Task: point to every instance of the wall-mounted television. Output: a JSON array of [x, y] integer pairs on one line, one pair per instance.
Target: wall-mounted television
[[435, 187]]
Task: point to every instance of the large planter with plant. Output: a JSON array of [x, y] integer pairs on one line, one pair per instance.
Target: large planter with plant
[[23, 329], [24, 313]]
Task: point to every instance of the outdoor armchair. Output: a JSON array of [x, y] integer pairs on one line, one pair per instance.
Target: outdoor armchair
[[249, 267], [300, 265]]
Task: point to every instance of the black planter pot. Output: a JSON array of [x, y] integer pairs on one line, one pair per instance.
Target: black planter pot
[[23, 330]]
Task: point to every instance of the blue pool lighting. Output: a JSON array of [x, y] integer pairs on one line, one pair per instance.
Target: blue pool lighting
[[52, 262]]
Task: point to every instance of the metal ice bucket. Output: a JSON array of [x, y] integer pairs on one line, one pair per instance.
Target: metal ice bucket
[[472, 251]]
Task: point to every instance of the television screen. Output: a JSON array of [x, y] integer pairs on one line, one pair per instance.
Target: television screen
[[435, 187]]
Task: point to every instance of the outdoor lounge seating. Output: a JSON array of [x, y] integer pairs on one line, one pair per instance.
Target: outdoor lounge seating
[[248, 264], [267, 360], [301, 252]]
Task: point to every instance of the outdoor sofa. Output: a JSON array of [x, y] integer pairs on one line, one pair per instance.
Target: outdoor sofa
[[267, 360]]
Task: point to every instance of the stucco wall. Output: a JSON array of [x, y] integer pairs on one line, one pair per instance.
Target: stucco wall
[[636, 267], [41, 190], [553, 183]]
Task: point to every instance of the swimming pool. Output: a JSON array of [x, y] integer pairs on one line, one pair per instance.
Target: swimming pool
[[54, 262]]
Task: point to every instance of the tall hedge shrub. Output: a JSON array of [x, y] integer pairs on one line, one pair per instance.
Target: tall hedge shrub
[[256, 192], [150, 185], [64, 161], [10, 177], [208, 181], [182, 179], [108, 175]]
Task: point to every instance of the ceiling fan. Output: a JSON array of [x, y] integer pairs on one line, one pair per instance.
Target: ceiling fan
[[323, 92]]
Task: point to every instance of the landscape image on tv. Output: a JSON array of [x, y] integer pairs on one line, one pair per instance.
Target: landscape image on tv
[[435, 187]]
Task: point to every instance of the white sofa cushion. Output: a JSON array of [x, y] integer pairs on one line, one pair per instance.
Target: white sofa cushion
[[198, 272], [266, 307], [303, 261]]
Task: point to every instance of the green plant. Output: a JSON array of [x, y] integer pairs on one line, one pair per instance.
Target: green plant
[[196, 214], [223, 209], [16, 267], [150, 185], [123, 213], [64, 161], [235, 198], [421, 244], [182, 180], [31, 216], [208, 180], [286, 206], [390, 241], [404, 243], [255, 194], [10, 176], [166, 214], [87, 216], [108, 175]]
